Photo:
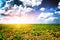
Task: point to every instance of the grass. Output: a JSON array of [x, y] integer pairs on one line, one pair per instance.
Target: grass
[[29, 31]]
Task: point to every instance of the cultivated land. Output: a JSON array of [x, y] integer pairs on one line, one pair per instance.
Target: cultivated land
[[29, 31]]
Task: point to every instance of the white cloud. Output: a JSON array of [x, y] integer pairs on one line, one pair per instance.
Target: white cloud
[[27, 10], [59, 3], [42, 9], [36, 2], [58, 7], [50, 20], [2, 11], [46, 18], [45, 15], [31, 2], [57, 12], [27, 2]]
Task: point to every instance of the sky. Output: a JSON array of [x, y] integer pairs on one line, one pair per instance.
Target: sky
[[30, 11]]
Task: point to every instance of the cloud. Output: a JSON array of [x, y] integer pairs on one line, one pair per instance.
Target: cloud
[[23, 10], [31, 2], [47, 18], [59, 3], [43, 17], [42, 9], [58, 18], [36, 2], [2, 11]]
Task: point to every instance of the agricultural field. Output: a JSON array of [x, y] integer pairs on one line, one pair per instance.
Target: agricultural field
[[29, 31]]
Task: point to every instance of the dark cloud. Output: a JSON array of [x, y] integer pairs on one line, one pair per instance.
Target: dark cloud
[[49, 3]]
